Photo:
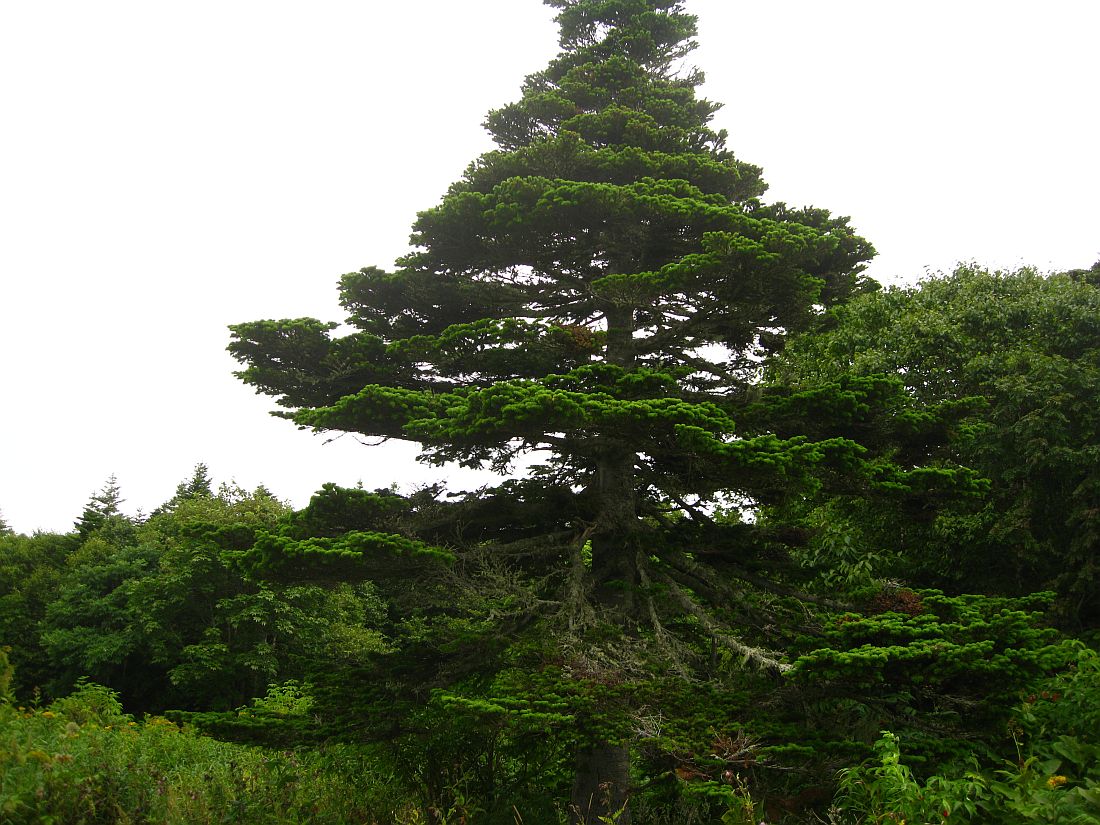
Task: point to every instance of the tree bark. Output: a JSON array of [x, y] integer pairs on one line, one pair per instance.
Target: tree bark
[[614, 552], [601, 786], [620, 335], [613, 541]]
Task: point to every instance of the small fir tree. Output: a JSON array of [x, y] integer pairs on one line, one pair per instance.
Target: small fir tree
[[198, 486], [102, 507]]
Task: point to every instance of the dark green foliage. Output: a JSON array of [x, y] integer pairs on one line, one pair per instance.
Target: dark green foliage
[[164, 613], [941, 671], [1028, 348], [562, 298], [198, 486], [221, 636], [92, 629], [31, 569], [683, 602], [102, 509], [600, 292]]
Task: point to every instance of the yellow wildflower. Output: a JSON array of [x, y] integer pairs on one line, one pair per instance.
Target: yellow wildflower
[[1056, 780], [48, 714]]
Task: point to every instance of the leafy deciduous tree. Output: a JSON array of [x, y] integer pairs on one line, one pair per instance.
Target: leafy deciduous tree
[[1026, 346]]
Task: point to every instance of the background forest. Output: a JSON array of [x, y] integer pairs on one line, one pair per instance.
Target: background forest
[[771, 544]]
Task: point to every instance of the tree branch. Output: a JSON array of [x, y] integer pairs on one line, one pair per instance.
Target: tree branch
[[763, 659]]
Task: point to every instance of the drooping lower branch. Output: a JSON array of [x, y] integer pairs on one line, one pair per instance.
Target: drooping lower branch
[[744, 613], [779, 589], [767, 585], [667, 643], [535, 545], [763, 659], [703, 578]]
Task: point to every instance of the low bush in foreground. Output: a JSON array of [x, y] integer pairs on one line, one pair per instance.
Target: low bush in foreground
[[82, 760], [1052, 776]]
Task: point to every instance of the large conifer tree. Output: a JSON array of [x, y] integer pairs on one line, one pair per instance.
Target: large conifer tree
[[600, 291]]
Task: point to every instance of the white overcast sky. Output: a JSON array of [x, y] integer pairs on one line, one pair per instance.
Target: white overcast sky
[[168, 168]]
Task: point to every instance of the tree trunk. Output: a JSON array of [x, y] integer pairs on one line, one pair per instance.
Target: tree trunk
[[613, 541], [601, 786], [614, 550]]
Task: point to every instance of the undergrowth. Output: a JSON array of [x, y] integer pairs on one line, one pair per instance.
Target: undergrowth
[[81, 760]]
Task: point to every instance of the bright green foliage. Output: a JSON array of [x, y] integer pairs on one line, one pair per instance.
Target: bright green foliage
[[291, 698], [352, 551], [1050, 773], [1028, 347], [83, 760], [7, 696], [942, 671], [885, 790], [961, 635], [283, 717]]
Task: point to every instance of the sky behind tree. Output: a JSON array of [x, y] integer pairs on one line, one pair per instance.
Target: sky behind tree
[[169, 169]]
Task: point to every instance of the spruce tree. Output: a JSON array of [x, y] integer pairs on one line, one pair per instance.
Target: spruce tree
[[599, 292], [198, 486], [102, 507]]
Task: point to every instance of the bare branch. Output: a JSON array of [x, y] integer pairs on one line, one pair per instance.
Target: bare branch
[[533, 546]]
